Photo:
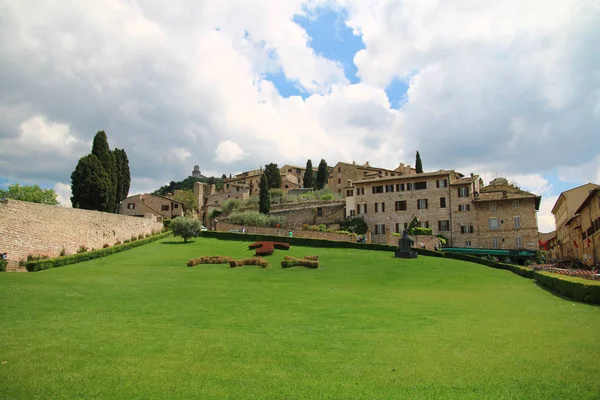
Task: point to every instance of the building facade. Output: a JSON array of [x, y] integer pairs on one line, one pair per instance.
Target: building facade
[[342, 173], [141, 205], [589, 224], [564, 209]]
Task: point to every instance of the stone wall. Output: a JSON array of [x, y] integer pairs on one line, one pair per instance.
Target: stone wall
[[30, 228], [225, 227], [298, 214]]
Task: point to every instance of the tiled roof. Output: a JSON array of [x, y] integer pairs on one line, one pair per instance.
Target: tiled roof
[[406, 177]]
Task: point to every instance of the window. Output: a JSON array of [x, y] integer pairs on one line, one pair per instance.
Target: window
[[425, 224], [399, 187], [352, 213], [289, 170], [518, 242], [406, 225], [464, 207], [131, 206], [468, 243], [175, 205], [376, 207], [422, 204], [379, 229], [389, 188], [517, 221], [360, 190], [442, 202], [441, 183], [339, 180], [410, 186], [237, 188], [515, 203], [492, 206], [467, 229], [493, 224], [401, 205], [398, 227], [298, 171], [319, 211], [444, 225], [377, 189], [463, 192], [349, 193], [339, 169], [495, 243], [420, 185], [165, 208]]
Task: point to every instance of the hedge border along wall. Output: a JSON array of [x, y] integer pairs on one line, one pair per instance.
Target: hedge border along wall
[[578, 289], [40, 265]]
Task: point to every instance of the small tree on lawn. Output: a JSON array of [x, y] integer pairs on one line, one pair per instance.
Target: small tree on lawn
[[186, 228], [264, 205], [355, 224]]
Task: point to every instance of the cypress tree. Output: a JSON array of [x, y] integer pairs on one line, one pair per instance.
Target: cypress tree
[[321, 175], [308, 181], [418, 164], [101, 150], [264, 205], [123, 177], [273, 176], [90, 185]]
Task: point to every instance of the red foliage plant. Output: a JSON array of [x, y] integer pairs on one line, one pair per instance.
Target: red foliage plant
[[266, 248]]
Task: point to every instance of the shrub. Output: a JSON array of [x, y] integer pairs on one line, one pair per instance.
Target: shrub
[[230, 205], [166, 224], [3, 264], [118, 242], [63, 252], [39, 265], [322, 227], [254, 218], [443, 239], [82, 249], [356, 224], [186, 228], [133, 238], [31, 257], [569, 286], [147, 235], [126, 241], [105, 245], [311, 258], [22, 262], [420, 231], [209, 260], [140, 236], [299, 263], [261, 262]]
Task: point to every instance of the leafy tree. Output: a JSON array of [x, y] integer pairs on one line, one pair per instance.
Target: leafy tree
[[309, 176], [356, 224], [190, 202], [273, 176], [187, 184], [418, 164], [101, 150], [264, 205], [321, 175], [186, 228], [223, 176], [90, 185], [32, 194]]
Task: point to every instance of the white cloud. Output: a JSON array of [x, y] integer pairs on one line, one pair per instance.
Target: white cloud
[[63, 193], [228, 152], [545, 216]]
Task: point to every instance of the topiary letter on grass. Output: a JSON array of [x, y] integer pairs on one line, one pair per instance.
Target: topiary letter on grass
[[186, 228]]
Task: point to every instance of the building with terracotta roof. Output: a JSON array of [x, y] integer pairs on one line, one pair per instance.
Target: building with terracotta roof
[[143, 205], [342, 173], [588, 221]]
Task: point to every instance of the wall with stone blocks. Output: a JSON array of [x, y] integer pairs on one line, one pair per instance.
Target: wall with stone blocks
[[341, 237], [30, 228]]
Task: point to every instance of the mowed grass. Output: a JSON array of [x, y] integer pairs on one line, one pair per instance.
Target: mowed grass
[[142, 325]]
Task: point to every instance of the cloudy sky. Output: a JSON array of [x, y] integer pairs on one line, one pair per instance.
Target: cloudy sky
[[500, 88]]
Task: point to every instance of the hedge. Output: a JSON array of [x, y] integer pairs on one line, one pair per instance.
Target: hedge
[[40, 265], [296, 241], [3, 264], [569, 286]]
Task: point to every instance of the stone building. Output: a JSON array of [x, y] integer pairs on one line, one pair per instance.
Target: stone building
[[249, 178], [142, 205], [588, 219], [506, 217], [564, 210], [196, 172], [448, 203], [343, 172]]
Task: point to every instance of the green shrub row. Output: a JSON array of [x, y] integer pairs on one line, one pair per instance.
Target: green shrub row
[[42, 264], [254, 218], [575, 288], [297, 241], [3, 264]]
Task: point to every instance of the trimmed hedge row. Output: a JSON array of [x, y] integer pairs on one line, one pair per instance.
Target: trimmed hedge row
[[209, 260], [258, 261], [569, 286], [300, 263], [3, 264], [296, 241], [40, 265]]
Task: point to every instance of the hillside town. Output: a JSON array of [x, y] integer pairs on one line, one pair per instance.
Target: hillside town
[[461, 208]]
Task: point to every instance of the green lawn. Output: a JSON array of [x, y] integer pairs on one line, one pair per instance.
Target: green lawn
[[142, 325]]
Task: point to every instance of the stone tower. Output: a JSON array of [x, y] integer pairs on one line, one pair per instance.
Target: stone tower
[[196, 172]]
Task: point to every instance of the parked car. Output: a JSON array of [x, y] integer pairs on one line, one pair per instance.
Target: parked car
[[203, 228]]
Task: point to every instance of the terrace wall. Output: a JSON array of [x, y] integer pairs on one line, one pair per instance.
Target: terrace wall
[[30, 228], [225, 227]]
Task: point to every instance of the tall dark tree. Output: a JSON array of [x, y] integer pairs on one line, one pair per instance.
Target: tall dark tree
[[123, 176], [418, 164], [309, 175], [223, 176], [101, 150], [273, 176], [322, 175], [90, 185], [264, 205]]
